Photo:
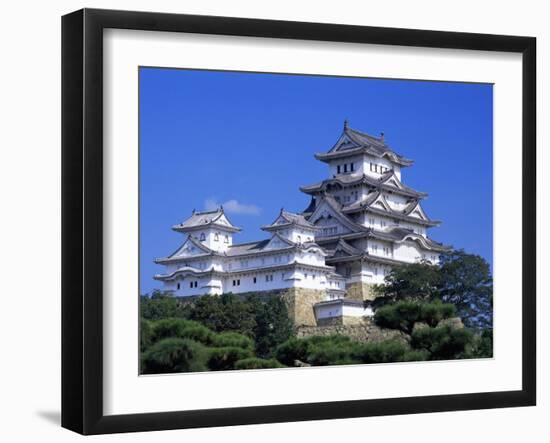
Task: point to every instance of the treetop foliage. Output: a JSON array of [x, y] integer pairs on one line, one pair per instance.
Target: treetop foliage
[[404, 314], [461, 279], [174, 355]]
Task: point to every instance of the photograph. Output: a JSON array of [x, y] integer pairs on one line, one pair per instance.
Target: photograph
[[291, 221]]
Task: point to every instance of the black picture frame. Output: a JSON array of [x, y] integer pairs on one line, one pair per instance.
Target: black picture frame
[[82, 215]]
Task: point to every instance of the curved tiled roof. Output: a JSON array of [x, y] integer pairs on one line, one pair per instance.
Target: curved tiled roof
[[203, 219], [337, 208], [365, 205], [354, 142], [173, 257], [259, 246], [247, 248], [399, 234], [356, 179], [213, 271], [289, 218]]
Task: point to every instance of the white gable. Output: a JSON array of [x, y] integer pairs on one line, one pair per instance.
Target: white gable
[[381, 203], [276, 242], [394, 182], [188, 249], [326, 216], [222, 220], [419, 213]]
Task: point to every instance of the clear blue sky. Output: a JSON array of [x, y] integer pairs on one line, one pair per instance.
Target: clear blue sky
[[220, 136]]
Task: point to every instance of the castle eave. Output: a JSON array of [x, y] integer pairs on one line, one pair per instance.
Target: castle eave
[[184, 229]]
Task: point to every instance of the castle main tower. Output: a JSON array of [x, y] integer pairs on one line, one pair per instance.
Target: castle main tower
[[368, 221]]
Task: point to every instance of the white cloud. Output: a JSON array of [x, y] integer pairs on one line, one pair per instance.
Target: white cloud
[[232, 207]]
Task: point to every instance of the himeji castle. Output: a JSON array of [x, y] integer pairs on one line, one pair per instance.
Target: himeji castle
[[361, 221]]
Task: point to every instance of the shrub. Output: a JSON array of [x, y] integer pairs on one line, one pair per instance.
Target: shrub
[[198, 333], [257, 363], [145, 334], [174, 355], [273, 325], [404, 314], [433, 313], [401, 315], [223, 313], [443, 342], [161, 305], [416, 355], [319, 350], [176, 327], [332, 350], [483, 345], [387, 351], [291, 350], [232, 339], [222, 359]]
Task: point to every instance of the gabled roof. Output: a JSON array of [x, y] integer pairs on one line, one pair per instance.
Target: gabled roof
[[354, 142], [336, 209], [259, 246], [247, 248], [344, 246], [414, 209], [286, 219], [368, 205], [277, 238], [200, 220], [398, 235], [310, 208], [377, 199], [387, 181], [188, 245]]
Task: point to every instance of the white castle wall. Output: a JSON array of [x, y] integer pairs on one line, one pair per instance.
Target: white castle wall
[[407, 252], [362, 165], [214, 238], [254, 280], [339, 310]]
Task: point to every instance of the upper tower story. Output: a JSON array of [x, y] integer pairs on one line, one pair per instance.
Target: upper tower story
[[212, 228], [358, 153]]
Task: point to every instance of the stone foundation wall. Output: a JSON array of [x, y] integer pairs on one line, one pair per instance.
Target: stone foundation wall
[[340, 321], [365, 332], [299, 302], [360, 291]]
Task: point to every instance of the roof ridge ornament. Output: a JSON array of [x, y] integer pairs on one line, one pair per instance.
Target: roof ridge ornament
[[345, 124]]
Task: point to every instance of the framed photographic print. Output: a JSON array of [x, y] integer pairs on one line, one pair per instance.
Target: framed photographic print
[[269, 221]]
